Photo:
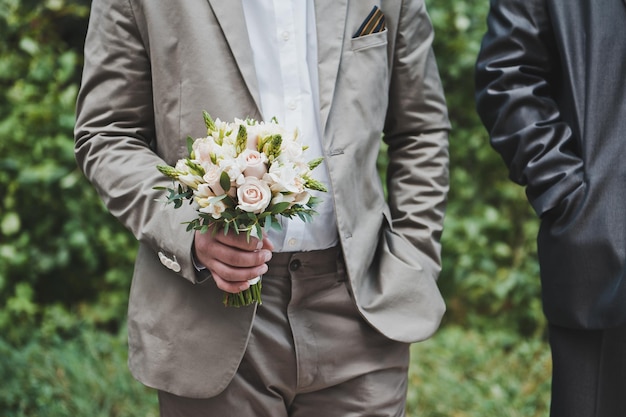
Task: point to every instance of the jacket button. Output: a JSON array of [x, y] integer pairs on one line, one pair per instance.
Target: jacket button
[[295, 265]]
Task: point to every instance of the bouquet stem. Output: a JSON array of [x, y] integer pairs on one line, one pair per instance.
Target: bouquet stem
[[244, 298]]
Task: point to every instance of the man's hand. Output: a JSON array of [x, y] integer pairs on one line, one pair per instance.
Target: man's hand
[[231, 259]]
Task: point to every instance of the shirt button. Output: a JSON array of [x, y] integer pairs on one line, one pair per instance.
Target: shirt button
[[295, 265], [292, 105], [292, 242], [286, 36]]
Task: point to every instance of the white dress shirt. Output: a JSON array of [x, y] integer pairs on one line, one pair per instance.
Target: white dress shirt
[[283, 37]]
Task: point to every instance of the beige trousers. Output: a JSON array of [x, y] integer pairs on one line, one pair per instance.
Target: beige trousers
[[310, 353]]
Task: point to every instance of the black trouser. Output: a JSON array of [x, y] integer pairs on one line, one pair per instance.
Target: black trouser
[[589, 372]]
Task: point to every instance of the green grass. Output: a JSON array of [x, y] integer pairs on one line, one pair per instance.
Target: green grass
[[457, 373], [83, 376]]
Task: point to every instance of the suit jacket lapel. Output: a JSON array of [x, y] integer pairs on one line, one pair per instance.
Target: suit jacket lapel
[[232, 20], [330, 16]]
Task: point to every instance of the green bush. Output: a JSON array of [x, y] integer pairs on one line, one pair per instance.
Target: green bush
[[467, 373], [58, 245]]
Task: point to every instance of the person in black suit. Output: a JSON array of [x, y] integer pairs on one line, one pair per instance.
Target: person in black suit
[[551, 91]]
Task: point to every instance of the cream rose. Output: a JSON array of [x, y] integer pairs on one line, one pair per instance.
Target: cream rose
[[254, 195], [291, 151], [212, 179], [254, 162], [202, 149]]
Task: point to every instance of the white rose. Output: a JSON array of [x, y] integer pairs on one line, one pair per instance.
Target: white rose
[[212, 178], [285, 178], [234, 168], [255, 163], [291, 151], [254, 195], [203, 148]]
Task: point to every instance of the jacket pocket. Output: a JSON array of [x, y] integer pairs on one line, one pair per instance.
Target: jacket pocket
[[369, 41]]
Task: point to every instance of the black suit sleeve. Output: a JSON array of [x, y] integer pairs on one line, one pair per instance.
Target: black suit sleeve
[[517, 80]]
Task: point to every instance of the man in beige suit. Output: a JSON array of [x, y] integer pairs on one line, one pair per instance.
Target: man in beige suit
[[343, 296]]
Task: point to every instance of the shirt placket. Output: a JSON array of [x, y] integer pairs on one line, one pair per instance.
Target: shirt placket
[[290, 78]]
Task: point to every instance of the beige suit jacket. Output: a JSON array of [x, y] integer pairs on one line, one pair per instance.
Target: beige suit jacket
[[152, 66]]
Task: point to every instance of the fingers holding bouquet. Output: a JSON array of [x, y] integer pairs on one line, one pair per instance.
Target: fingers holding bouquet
[[233, 259]]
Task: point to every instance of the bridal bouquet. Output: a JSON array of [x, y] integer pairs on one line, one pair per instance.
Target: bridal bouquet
[[241, 177]]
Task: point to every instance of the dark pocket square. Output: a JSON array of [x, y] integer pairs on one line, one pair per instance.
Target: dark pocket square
[[374, 22]]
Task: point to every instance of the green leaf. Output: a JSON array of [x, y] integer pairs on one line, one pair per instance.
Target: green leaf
[[225, 181], [217, 199], [276, 225], [305, 216], [314, 201], [279, 208], [190, 142]]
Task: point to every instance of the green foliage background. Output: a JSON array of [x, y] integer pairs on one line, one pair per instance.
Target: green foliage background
[[65, 263]]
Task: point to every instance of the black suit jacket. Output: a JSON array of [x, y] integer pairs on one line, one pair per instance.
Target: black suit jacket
[[551, 91]]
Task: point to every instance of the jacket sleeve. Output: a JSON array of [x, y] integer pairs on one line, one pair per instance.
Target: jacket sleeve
[[517, 72], [115, 135], [416, 132]]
